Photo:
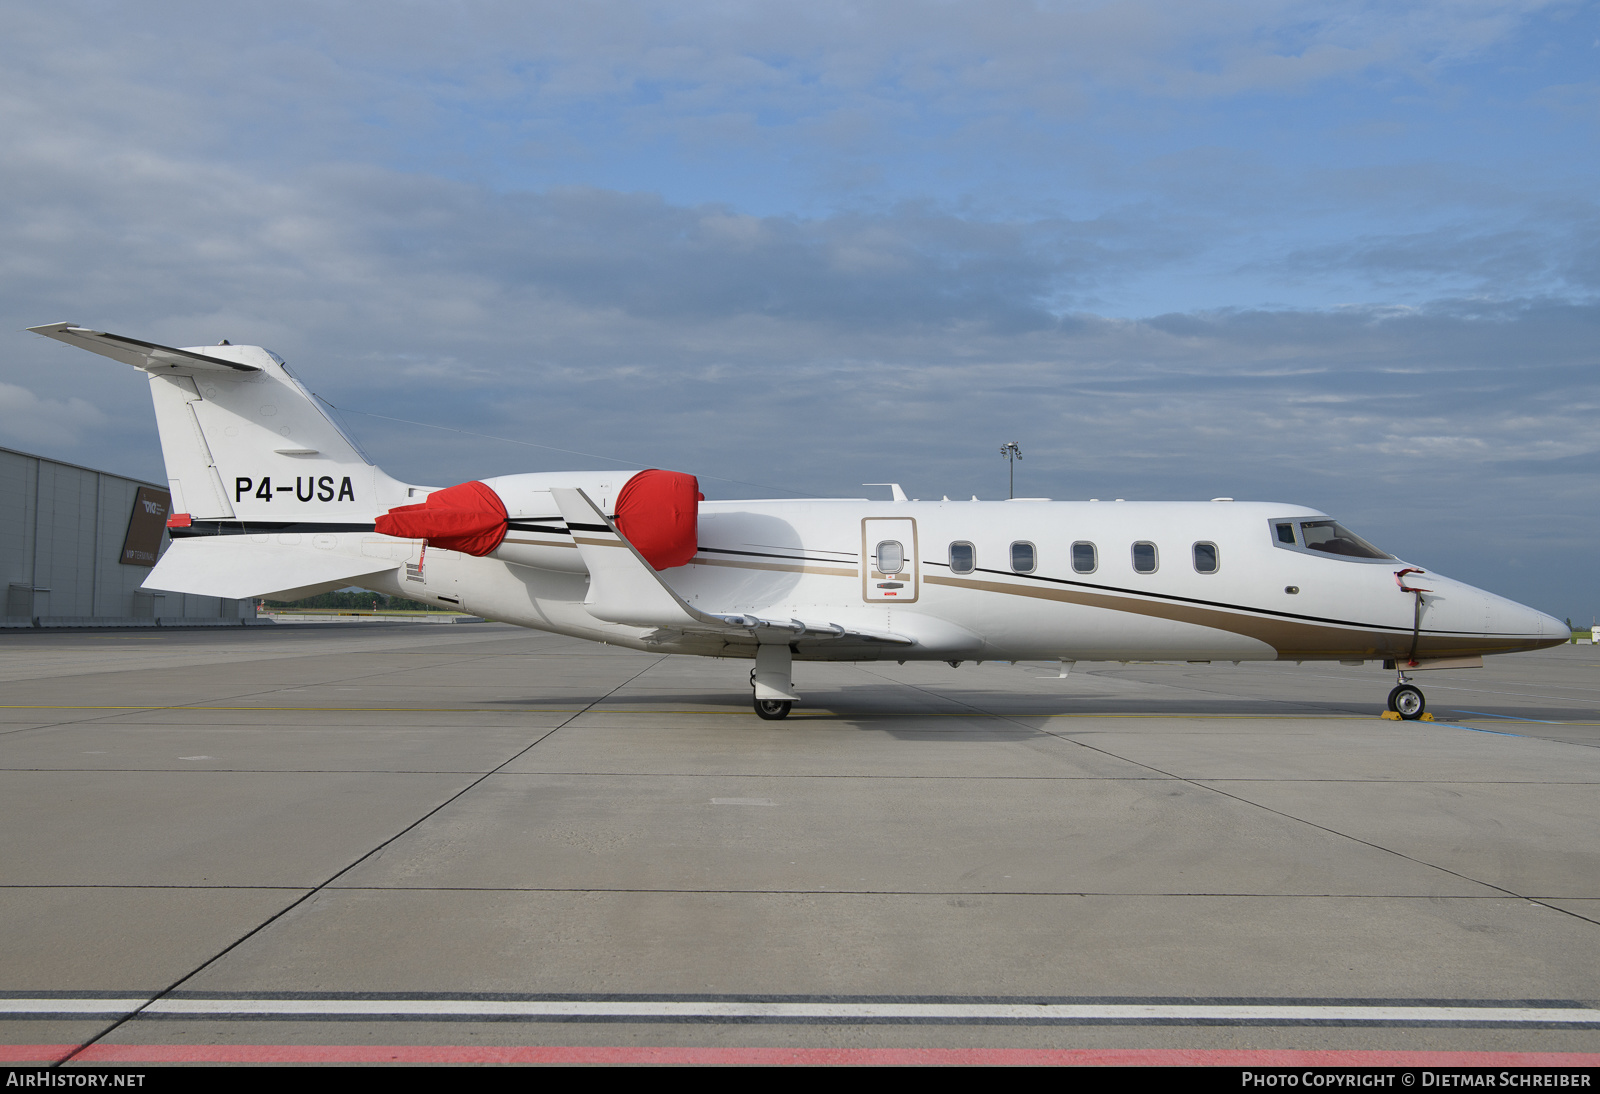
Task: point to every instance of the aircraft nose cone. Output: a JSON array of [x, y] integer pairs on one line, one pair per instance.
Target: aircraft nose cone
[[1555, 629], [1549, 630]]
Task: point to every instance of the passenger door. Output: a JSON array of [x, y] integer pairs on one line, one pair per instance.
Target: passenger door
[[891, 570]]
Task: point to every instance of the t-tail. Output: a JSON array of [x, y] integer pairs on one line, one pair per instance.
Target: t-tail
[[248, 450], [242, 438]]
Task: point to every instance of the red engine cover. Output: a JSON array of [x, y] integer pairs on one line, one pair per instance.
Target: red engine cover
[[469, 518], [659, 512]]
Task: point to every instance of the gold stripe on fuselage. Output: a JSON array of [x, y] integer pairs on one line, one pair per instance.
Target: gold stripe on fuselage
[[1294, 639], [777, 567]]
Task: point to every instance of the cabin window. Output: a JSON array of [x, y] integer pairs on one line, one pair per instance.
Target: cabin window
[[1324, 537], [1144, 557], [891, 557], [1331, 537], [1205, 558], [963, 558], [1084, 560], [1022, 560]]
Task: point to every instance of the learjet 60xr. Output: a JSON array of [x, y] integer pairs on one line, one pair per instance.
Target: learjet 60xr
[[270, 497]]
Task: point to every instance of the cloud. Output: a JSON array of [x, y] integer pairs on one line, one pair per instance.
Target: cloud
[[27, 420], [810, 246]]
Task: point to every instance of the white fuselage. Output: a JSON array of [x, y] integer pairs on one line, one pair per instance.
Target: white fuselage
[[817, 560]]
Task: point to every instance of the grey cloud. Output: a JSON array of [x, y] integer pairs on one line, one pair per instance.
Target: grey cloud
[[1558, 256], [1583, 463], [900, 340], [502, 66]]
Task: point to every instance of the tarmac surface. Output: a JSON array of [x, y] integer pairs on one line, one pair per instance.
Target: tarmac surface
[[447, 839]]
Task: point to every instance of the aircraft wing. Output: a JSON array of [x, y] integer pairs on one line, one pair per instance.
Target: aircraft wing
[[624, 588], [145, 355]]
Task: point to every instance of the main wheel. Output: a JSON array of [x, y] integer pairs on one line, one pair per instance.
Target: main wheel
[[1406, 700], [773, 709]]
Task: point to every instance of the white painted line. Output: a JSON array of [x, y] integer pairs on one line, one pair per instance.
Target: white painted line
[[114, 1005], [796, 1011], [743, 801], [847, 1011]]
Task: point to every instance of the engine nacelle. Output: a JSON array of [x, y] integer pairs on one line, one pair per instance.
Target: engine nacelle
[[514, 518]]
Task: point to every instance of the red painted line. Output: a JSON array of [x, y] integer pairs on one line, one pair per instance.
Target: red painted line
[[104, 1054], [33, 1054]]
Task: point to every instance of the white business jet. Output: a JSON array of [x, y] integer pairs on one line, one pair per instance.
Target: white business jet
[[271, 498]]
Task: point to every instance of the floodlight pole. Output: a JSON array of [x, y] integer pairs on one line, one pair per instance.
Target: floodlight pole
[[1012, 454]]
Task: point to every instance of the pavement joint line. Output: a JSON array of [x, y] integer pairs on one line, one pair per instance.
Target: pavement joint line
[[544, 734], [1098, 894]]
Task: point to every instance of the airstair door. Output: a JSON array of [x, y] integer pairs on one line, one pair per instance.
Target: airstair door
[[890, 566]]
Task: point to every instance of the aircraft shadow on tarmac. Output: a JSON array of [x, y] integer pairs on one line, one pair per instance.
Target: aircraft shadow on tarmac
[[981, 713], [870, 702]]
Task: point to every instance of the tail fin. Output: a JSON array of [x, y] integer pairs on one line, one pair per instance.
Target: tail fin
[[242, 438]]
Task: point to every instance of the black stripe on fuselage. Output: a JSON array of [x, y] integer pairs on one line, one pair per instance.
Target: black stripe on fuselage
[[267, 527], [262, 527], [1188, 600]]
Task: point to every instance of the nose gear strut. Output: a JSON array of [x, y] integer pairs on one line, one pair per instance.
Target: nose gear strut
[[1406, 699]]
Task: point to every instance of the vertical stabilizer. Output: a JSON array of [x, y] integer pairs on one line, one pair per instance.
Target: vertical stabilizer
[[242, 438]]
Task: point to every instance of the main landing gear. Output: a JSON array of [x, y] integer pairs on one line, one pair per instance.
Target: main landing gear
[[771, 681], [1406, 700]]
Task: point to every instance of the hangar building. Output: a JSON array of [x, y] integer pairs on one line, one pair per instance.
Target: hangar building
[[79, 543]]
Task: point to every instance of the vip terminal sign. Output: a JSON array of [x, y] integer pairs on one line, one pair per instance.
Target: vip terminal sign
[[149, 519]]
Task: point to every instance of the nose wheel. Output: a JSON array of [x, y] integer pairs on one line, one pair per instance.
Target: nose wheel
[[1406, 700]]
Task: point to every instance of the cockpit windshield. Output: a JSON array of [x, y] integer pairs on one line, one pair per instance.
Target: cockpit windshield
[[1333, 538]]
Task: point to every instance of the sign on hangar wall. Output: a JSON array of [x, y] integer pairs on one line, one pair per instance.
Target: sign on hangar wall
[[146, 524]]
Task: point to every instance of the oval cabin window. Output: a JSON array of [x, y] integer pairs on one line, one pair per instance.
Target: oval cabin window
[[1022, 560], [1084, 560], [891, 557]]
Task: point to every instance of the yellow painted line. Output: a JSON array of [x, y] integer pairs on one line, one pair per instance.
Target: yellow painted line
[[363, 710]]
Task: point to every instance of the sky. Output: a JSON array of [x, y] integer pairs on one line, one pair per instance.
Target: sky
[[1339, 255]]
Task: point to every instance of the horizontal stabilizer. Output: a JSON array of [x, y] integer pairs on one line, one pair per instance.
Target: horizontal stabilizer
[[236, 567], [145, 355]]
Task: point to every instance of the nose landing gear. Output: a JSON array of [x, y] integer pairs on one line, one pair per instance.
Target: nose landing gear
[[1406, 700]]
